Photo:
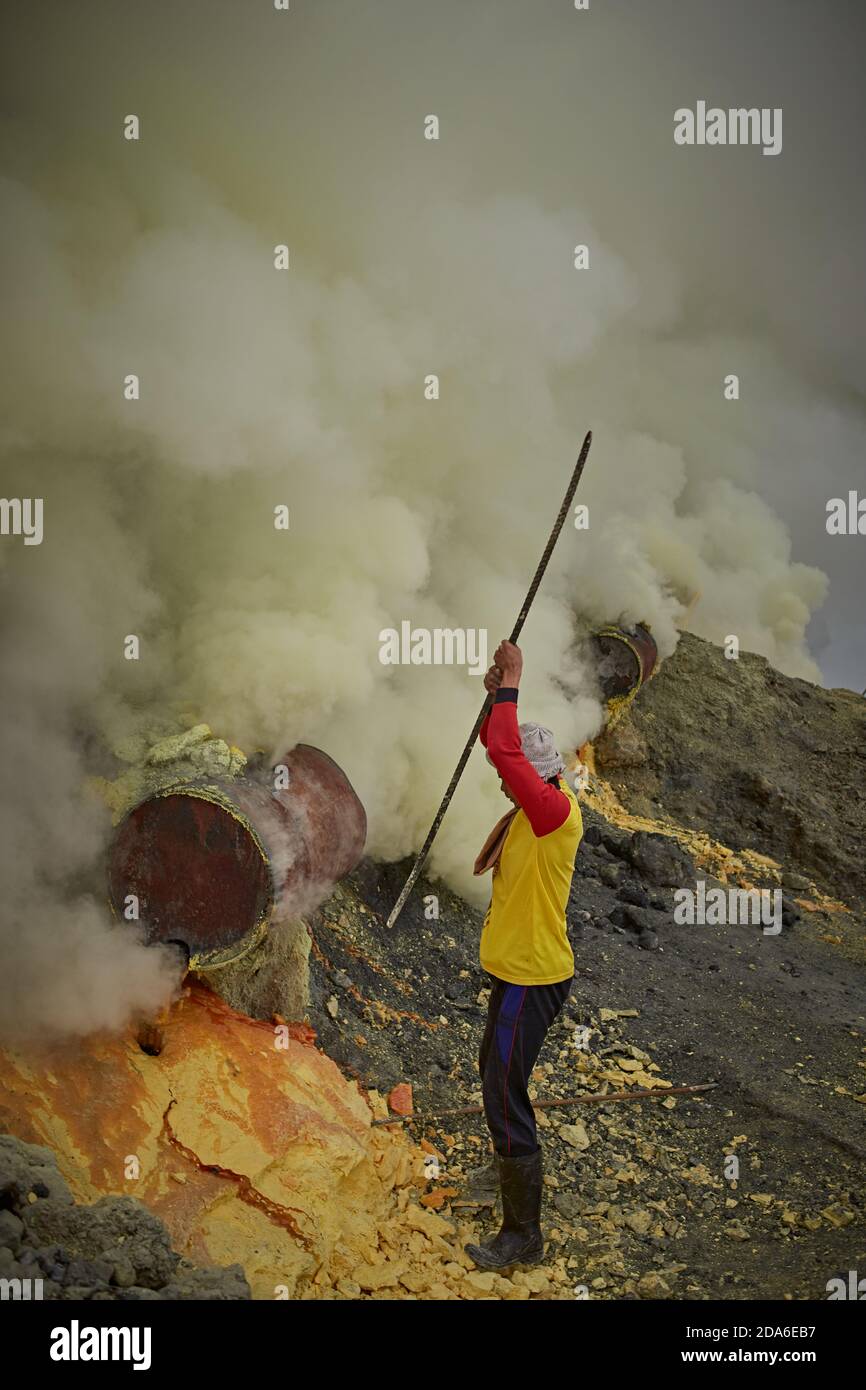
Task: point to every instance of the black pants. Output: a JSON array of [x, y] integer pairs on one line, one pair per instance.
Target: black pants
[[518, 1017]]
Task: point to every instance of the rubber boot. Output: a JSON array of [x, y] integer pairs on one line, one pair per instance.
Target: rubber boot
[[519, 1241], [482, 1186]]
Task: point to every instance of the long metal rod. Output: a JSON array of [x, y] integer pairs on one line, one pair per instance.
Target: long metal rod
[[515, 633], [589, 1099]]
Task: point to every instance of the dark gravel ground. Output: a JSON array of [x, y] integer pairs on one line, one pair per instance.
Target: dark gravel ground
[[647, 1205]]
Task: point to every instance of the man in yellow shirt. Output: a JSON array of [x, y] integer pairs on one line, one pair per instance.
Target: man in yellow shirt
[[525, 950]]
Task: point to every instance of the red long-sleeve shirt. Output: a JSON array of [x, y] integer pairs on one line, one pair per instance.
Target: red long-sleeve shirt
[[546, 807]]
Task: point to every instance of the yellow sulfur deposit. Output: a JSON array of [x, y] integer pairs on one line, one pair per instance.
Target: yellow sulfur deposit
[[250, 1145], [191, 755]]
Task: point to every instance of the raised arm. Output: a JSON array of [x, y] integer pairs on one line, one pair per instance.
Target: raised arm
[[546, 807]]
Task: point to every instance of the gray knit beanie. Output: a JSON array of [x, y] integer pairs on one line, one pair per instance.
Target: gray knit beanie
[[539, 749]]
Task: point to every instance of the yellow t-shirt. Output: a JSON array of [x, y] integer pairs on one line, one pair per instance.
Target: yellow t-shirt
[[524, 939]]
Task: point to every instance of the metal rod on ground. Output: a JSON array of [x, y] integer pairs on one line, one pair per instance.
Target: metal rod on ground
[[659, 1094], [515, 633]]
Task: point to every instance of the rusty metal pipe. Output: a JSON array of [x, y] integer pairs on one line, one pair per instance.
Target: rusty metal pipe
[[211, 864], [627, 658]]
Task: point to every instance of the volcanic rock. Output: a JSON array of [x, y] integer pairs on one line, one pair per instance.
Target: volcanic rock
[[661, 860], [768, 762]]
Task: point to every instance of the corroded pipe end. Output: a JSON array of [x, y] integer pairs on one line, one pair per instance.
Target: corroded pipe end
[[206, 867], [197, 870]]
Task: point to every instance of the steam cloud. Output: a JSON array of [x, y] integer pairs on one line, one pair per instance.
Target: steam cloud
[[306, 388]]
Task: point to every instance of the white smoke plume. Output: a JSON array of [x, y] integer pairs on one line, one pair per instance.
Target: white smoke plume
[[305, 388]]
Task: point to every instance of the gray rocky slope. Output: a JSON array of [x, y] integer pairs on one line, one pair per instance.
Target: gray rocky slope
[[760, 760]]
